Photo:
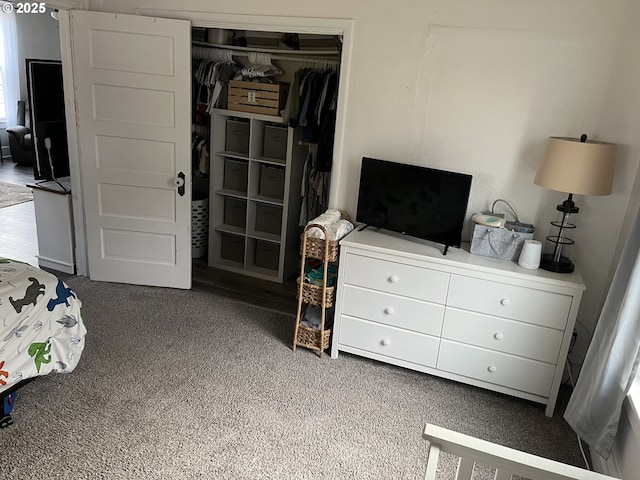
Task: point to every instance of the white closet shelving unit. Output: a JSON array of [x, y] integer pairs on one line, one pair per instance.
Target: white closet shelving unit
[[253, 224], [253, 221]]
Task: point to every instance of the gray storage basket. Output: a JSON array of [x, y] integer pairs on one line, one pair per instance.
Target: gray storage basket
[[498, 242]]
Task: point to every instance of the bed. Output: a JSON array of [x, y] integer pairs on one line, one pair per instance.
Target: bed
[[507, 462], [41, 328]]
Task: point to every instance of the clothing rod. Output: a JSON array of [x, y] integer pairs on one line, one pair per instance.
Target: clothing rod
[[291, 54]]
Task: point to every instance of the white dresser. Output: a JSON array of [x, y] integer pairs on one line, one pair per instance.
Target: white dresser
[[477, 320]]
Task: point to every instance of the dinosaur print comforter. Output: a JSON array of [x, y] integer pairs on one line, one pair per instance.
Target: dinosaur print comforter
[[41, 330]]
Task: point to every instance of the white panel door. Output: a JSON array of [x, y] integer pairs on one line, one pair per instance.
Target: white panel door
[[133, 100]]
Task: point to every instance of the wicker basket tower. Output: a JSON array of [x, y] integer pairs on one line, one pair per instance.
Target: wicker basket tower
[[319, 295]]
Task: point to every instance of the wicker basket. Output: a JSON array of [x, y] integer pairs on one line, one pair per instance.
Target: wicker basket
[[312, 338], [315, 247], [312, 294]]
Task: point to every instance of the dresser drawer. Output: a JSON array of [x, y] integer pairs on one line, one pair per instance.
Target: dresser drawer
[[397, 278], [389, 341], [393, 310], [507, 336], [497, 368], [510, 301]]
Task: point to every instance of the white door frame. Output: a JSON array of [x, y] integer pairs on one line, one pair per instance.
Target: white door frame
[[68, 83], [320, 26]]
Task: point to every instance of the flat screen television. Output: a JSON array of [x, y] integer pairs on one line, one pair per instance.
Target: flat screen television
[[418, 201], [48, 121]]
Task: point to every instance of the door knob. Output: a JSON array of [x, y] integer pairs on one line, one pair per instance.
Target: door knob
[[179, 182]]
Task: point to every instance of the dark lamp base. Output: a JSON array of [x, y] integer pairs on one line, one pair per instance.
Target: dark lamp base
[[563, 266]]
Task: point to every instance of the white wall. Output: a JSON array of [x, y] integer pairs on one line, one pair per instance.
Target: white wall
[[38, 37], [477, 87]]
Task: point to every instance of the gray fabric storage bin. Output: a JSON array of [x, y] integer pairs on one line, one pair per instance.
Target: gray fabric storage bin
[[268, 218], [275, 142], [237, 137], [236, 173], [267, 255], [232, 247], [235, 212], [498, 242], [271, 182]]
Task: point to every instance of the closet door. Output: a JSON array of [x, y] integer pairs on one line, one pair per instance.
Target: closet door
[[132, 85]]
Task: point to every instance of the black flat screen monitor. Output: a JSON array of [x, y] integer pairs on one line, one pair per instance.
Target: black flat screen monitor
[[47, 113], [418, 201]]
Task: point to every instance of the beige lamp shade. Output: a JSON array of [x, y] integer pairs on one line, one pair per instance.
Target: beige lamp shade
[[572, 166]]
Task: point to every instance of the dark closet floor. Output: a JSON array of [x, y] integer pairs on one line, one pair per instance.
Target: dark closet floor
[[18, 241]]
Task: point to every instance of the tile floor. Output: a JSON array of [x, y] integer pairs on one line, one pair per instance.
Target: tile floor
[[17, 222]]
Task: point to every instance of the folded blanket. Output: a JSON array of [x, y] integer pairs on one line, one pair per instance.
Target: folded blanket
[[328, 217], [335, 231], [334, 224]]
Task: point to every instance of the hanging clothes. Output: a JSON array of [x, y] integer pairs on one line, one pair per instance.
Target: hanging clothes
[[314, 190], [200, 154], [311, 105], [325, 142], [212, 71]]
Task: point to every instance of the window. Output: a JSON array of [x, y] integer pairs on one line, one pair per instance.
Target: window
[[9, 86], [3, 112]]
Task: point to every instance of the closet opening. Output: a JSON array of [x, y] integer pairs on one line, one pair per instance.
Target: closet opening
[[263, 128]]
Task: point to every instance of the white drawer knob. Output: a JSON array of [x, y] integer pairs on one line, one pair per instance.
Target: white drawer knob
[[492, 369], [504, 302], [498, 336], [388, 311], [385, 342], [393, 279]]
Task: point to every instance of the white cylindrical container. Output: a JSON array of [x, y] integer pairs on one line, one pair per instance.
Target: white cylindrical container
[[530, 255], [199, 227]]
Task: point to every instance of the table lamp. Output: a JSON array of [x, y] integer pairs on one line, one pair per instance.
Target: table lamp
[[574, 166]]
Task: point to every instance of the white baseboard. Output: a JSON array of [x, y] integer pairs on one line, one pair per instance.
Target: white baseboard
[[54, 264]]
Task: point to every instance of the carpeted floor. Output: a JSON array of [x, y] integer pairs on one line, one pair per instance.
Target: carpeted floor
[[186, 385], [11, 194]]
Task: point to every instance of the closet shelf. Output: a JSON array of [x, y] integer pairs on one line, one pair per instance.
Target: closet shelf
[[255, 116], [286, 53]]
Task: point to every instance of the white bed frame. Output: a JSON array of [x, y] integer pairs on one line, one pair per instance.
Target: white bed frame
[[506, 461]]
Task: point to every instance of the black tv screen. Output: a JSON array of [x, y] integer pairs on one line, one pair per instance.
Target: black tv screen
[[418, 201], [47, 113]]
